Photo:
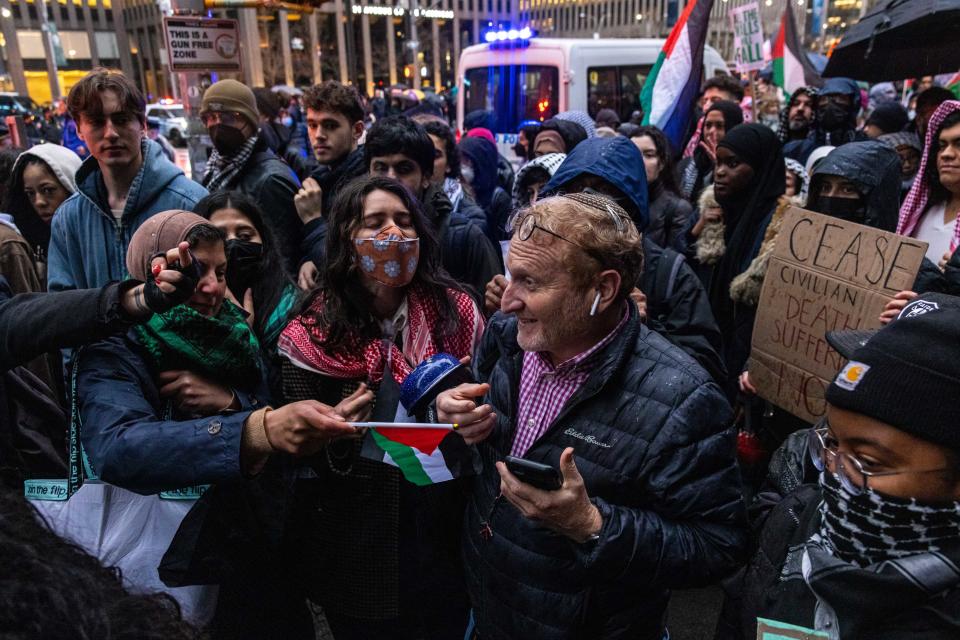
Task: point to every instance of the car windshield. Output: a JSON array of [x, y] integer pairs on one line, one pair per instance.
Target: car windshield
[[27, 103], [177, 113], [513, 92]]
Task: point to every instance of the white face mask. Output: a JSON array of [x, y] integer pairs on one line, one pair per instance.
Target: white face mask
[[286, 121], [467, 174]]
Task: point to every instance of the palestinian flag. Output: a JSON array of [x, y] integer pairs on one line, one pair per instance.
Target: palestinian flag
[[424, 456], [953, 84], [671, 89], [792, 68]]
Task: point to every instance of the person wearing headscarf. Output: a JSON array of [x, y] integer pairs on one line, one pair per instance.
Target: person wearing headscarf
[[582, 118], [908, 146], [887, 117], [558, 136], [42, 178], [696, 172], [505, 171], [797, 182], [533, 176], [749, 181], [478, 173], [799, 117], [930, 212], [838, 104]]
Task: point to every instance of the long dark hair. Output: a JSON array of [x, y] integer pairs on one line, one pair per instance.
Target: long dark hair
[[347, 312], [666, 177], [15, 202], [268, 288], [938, 192]]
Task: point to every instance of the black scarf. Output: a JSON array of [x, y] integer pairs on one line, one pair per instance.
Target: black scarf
[[747, 214]]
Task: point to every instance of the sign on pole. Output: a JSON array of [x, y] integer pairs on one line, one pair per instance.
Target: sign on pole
[[202, 44], [748, 37], [825, 274]]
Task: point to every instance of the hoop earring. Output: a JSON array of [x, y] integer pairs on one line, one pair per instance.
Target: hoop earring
[[596, 303]]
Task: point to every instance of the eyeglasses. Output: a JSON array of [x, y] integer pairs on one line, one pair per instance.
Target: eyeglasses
[[849, 470], [228, 118], [528, 224]]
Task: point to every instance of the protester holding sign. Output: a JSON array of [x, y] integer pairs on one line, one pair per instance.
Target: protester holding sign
[[872, 551]]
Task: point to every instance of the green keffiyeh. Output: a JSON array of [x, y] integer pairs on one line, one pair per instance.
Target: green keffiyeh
[[222, 347]]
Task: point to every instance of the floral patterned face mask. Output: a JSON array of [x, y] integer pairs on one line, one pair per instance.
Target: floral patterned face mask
[[390, 258]]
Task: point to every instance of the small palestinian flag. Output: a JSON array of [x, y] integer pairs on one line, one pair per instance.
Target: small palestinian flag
[[425, 456]]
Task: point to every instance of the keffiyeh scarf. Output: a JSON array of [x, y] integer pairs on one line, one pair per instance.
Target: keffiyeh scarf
[[302, 341], [221, 171]]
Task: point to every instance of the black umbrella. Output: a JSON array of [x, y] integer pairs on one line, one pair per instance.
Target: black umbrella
[[901, 39]]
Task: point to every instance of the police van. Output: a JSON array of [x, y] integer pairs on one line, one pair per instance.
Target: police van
[[520, 77]]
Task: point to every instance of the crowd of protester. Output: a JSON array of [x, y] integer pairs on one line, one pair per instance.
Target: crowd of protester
[[184, 362]]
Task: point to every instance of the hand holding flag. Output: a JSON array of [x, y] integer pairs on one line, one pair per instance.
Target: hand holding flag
[[458, 405]]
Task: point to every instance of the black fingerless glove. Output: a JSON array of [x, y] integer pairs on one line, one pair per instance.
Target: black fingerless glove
[[159, 301]]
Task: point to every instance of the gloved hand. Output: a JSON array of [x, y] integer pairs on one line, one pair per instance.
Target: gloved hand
[[166, 290]]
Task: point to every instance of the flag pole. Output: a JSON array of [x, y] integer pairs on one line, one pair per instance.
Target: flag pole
[[403, 425]]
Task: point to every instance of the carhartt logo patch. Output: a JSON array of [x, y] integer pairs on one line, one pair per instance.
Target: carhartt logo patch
[[851, 375], [918, 308]]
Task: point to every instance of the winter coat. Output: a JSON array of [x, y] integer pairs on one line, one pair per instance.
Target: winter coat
[[32, 422], [668, 216], [128, 440], [88, 247], [280, 140], [654, 447], [331, 178], [800, 150], [773, 591], [272, 184]]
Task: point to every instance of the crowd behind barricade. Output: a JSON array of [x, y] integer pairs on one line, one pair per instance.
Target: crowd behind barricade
[[219, 397]]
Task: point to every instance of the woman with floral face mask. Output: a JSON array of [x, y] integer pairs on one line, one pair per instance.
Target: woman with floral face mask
[[871, 548], [378, 548]]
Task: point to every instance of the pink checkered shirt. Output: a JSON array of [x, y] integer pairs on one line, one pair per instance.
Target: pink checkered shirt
[[545, 389]]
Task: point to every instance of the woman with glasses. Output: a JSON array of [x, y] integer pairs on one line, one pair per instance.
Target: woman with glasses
[[872, 549]]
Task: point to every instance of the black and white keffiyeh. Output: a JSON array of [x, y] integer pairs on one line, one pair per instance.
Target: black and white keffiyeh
[[222, 171]]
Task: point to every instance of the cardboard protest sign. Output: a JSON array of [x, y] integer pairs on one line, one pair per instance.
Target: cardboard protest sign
[[748, 37], [825, 274]]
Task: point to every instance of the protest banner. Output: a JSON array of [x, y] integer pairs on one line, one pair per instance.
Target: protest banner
[[748, 37], [825, 274]]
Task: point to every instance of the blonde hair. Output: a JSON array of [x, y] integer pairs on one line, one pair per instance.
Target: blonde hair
[[600, 227]]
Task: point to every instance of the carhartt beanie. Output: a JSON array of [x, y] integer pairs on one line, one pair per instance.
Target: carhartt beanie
[[907, 373], [230, 95]]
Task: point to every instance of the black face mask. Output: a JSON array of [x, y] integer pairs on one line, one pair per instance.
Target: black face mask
[[849, 209], [834, 116], [520, 150], [227, 140], [243, 265]]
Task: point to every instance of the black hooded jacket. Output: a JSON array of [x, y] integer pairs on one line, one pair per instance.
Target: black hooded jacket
[[331, 179]]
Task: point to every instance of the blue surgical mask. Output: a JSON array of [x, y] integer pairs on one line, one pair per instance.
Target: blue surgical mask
[[286, 121]]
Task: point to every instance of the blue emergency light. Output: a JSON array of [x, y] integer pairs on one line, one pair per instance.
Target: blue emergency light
[[508, 36]]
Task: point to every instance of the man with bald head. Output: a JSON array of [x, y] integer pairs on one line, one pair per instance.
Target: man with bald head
[[638, 432]]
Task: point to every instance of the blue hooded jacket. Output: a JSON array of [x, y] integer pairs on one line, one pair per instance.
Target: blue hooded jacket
[[616, 160], [800, 150], [88, 247]]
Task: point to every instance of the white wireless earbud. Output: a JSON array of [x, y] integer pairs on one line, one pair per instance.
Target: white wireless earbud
[[596, 303]]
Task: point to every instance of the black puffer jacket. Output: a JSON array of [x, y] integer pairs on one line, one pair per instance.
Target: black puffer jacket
[[668, 216], [653, 443]]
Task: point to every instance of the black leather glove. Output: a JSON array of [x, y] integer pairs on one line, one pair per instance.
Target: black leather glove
[[158, 301]]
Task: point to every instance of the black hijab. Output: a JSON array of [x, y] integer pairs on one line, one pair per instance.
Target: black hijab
[[732, 116], [747, 214]]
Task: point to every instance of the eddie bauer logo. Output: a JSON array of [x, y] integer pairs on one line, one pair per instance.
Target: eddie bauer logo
[[573, 433]]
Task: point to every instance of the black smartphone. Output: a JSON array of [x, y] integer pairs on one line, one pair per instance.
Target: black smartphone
[[541, 476]]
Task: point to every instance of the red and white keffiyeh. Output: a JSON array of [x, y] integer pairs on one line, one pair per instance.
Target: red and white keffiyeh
[[301, 341], [917, 200]]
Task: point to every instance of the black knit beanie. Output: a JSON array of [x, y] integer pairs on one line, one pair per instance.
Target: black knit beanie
[[906, 374]]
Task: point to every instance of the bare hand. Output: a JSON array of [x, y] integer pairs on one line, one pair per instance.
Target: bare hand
[[309, 201], [303, 428], [307, 278], [458, 406], [195, 395], [494, 293], [640, 299], [896, 305], [246, 306], [713, 214], [357, 406], [709, 145], [567, 510], [745, 385], [944, 260]]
